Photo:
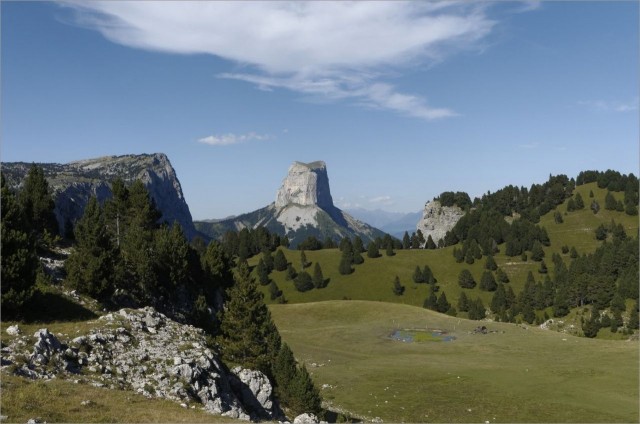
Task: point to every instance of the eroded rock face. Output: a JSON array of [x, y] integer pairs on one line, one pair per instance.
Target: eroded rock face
[[306, 184], [75, 182], [437, 220], [144, 351]]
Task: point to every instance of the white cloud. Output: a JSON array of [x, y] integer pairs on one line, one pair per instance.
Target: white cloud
[[382, 200], [227, 139], [330, 50], [610, 106]]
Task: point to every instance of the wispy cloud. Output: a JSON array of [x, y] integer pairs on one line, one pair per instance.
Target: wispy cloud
[[330, 50], [529, 146], [610, 106], [382, 200], [228, 139]]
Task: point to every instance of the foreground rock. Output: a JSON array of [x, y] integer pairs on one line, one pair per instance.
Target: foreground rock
[[437, 220], [144, 351]]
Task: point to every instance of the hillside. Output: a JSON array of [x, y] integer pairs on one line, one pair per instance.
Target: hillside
[[373, 279], [511, 374]]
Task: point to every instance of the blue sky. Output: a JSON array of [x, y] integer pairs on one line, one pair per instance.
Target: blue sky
[[401, 100]]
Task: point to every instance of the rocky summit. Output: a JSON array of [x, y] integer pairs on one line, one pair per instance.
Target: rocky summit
[[75, 182], [303, 207], [437, 219]]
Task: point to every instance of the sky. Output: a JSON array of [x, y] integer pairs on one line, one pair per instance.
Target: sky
[[402, 100]]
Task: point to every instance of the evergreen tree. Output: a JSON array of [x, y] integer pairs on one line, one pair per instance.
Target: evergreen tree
[[19, 259], [633, 317], [595, 206], [284, 372], [490, 263], [543, 267], [176, 263], [557, 217], [488, 282], [357, 256], [268, 260], [389, 250], [499, 300], [591, 194], [318, 278], [579, 201], [430, 243], [573, 253], [279, 261], [303, 260], [421, 239], [465, 279], [463, 302], [247, 333], [428, 275], [502, 276], [303, 281], [263, 275], [37, 204], [591, 326], [398, 289], [528, 314], [372, 250], [406, 241], [610, 202], [469, 258], [304, 396], [93, 267], [431, 302], [345, 262], [274, 290], [216, 266], [458, 255], [358, 246], [537, 253], [443, 305], [418, 277], [291, 273], [477, 310], [571, 205]]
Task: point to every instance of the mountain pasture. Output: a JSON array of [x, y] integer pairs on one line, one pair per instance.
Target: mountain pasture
[[511, 374]]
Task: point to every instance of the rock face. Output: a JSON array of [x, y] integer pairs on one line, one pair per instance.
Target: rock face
[[75, 182], [303, 207], [306, 184], [144, 351], [437, 220]]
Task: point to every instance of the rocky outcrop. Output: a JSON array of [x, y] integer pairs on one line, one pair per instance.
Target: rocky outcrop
[[303, 207], [437, 220], [144, 351], [75, 182]]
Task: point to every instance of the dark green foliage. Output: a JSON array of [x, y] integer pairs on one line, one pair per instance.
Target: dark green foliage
[[303, 281], [591, 194], [490, 263], [279, 261], [610, 202], [420, 238], [94, 266], [469, 258], [346, 260], [443, 305], [372, 250], [176, 262], [573, 253], [465, 279], [430, 243], [268, 260], [557, 217], [19, 260], [463, 302], [477, 310], [431, 302], [499, 300], [591, 326], [318, 278], [528, 314], [633, 317], [358, 246], [571, 205], [406, 241], [291, 273], [274, 290], [537, 253], [458, 255], [389, 250], [303, 260], [37, 204], [304, 396], [398, 289], [216, 266], [579, 202], [328, 244], [565, 249], [312, 243], [357, 257], [428, 275], [543, 268], [449, 198], [595, 207], [502, 276], [488, 282], [263, 275], [523, 257], [246, 325], [418, 277]]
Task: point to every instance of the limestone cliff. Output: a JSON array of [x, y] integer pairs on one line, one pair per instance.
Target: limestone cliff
[[303, 207], [75, 182], [437, 219]]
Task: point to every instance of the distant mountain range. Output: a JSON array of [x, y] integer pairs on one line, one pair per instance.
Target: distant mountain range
[[394, 223]]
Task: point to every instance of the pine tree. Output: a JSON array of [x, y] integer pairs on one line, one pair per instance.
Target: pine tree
[[268, 260], [284, 372], [274, 290], [591, 326], [216, 266], [303, 260], [443, 305], [358, 246], [372, 250], [389, 250], [357, 258], [247, 331], [263, 275], [318, 278], [633, 317], [573, 253], [537, 253], [557, 217], [94, 266], [502, 276], [303, 282], [304, 396], [490, 263], [345, 262], [543, 268], [499, 300], [469, 258], [528, 314], [406, 241], [37, 203], [488, 282], [418, 277], [291, 273], [398, 289], [431, 302], [19, 259], [579, 201], [463, 302], [279, 261], [465, 279], [430, 243], [610, 202], [595, 207], [428, 275]]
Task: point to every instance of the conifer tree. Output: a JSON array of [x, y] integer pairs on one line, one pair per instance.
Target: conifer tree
[[267, 257], [573, 253], [398, 289], [247, 331], [418, 277], [303, 282], [543, 267], [372, 250], [502, 276], [579, 201], [499, 300], [490, 263], [537, 253], [488, 282], [19, 259], [431, 302], [428, 275], [358, 246], [389, 250], [345, 262], [463, 302], [37, 204], [274, 290], [305, 397], [357, 258], [406, 241], [430, 243], [465, 279], [279, 261], [469, 258], [318, 278], [216, 266], [633, 317], [291, 273], [303, 260], [263, 275], [443, 305]]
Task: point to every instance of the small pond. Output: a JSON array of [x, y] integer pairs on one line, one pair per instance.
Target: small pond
[[421, 336]]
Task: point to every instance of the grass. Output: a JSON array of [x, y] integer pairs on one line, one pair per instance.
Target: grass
[[510, 375], [373, 280], [62, 401]]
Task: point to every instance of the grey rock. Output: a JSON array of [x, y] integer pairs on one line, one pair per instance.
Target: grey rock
[[256, 393], [306, 418], [437, 220], [13, 330]]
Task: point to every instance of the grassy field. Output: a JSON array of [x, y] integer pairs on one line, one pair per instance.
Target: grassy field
[[373, 280], [511, 374]]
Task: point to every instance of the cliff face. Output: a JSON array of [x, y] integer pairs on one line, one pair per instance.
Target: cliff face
[[303, 207], [437, 220], [75, 182]]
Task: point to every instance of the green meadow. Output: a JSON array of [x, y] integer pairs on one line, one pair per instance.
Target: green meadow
[[511, 374]]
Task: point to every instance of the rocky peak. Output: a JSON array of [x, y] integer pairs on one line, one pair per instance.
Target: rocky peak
[[306, 184], [437, 219]]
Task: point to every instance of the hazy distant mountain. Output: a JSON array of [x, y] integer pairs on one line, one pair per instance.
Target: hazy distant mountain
[[394, 223], [303, 207]]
